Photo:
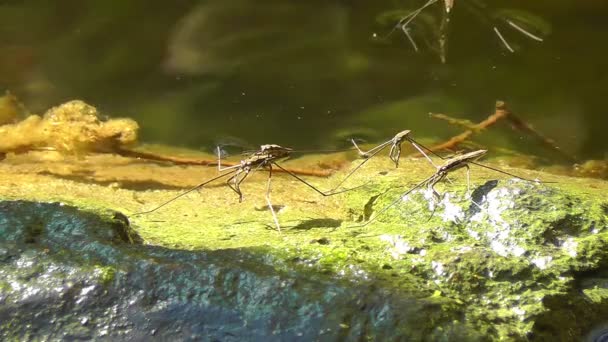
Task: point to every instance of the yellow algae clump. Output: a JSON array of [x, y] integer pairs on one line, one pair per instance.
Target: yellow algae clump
[[592, 168], [10, 108], [73, 127]]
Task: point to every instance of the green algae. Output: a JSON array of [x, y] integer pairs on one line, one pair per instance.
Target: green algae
[[107, 274], [500, 265]]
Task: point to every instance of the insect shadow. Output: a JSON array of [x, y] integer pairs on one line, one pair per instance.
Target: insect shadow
[[264, 159], [318, 223]]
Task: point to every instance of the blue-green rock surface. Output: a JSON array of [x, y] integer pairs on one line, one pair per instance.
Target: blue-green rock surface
[[73, 275]]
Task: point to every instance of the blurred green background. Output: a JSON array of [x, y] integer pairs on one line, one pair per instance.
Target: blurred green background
[[311, 74]]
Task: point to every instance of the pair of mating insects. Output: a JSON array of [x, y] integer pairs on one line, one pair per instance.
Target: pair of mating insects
[[268, 155]]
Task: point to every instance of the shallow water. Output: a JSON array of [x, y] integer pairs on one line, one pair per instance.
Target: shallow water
[[311, 74]]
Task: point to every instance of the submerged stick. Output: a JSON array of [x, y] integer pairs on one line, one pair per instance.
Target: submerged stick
[[501, 112], [209, 162]]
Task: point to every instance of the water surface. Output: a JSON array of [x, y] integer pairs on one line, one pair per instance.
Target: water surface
[[311, 74]]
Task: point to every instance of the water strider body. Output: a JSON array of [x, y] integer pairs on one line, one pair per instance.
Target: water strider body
[[265, 158], [394, 152], [395, 144], [450, 165], [454, 164]]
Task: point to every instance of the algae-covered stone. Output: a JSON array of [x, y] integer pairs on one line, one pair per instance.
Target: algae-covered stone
[[68, 274], [513, 252], [507, 260]]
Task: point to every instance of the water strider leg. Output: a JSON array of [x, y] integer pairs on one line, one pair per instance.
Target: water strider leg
[[383, 210], [219, 162], [503, 40], [268, 189], [328, 193], [186, 192], [406, 31], [237, 179], [424, 154], [395, 153], [368, 155], [373, 151], [468, 179], [523, 31]]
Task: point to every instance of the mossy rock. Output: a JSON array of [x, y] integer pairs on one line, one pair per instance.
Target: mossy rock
[[511, 260]]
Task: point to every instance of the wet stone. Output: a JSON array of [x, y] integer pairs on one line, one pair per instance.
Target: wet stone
[[73, 275]]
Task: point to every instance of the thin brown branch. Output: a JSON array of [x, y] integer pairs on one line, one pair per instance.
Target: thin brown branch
[[464, 123], [210, 162], [501, 112], [452, 143]]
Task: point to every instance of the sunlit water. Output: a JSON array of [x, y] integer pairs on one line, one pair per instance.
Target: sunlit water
[[312, 74]]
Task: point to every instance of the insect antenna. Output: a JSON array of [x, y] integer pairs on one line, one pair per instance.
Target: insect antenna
[[186, 192]]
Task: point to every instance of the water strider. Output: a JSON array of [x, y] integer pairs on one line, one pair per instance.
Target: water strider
[[450, 165], [265, 158], [394, 153]]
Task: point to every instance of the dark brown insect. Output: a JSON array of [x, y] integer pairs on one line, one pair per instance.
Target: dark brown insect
[[450, 165], [265, 158], [394, 152]]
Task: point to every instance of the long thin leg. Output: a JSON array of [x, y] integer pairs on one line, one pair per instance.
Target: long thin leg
[[395, 153], [406, 31], [379, 213], [229, 180], [417, 145], [274, 215], [187, 192], [219, 162], [422, 152], [506, 173], [523, 31], [403, 22], [503, 40], [436, 178], [237, 180], [373, 151], [369, 154], [330, 193], [468, 179], [412, 141]]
